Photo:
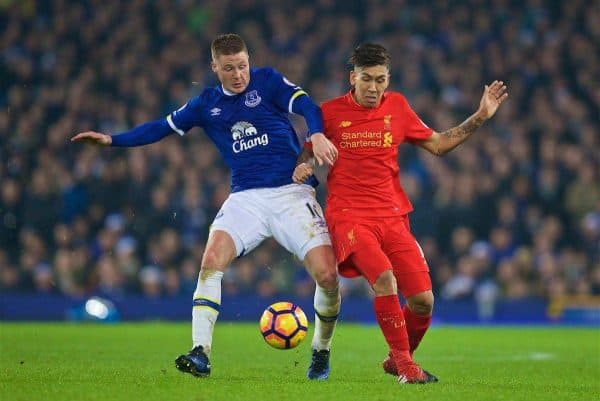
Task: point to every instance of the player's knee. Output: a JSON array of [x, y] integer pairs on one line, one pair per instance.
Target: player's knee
[[421, 303], [327, 279], [320, 263], [385, 284], [220, 251], [214, 260]]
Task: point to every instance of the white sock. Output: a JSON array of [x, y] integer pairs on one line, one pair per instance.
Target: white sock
[[327, 308], [207, 302]]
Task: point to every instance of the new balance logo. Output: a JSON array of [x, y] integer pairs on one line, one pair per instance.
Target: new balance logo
[[345, 124], [215, 112]]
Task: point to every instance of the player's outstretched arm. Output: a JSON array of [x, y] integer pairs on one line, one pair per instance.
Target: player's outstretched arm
[[143, 134], [441, 143], [93, 137]]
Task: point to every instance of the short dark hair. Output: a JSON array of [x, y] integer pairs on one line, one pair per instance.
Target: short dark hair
[[227, 44], [369, 55]]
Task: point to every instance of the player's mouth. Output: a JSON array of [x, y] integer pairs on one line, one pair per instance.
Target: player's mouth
[[371, 99], [238, 85]]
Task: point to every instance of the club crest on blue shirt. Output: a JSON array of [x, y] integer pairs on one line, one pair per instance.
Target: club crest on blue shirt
[[252, 99]]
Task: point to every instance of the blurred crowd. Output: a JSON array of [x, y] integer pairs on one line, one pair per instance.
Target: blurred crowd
[[513, 213]]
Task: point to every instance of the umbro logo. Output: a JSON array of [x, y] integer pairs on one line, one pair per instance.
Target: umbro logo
[[215, 112]]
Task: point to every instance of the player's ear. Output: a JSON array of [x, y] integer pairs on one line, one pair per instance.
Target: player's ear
[[352, 77], [213, 65]]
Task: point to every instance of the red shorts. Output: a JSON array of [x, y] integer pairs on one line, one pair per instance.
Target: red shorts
[[368, 247]]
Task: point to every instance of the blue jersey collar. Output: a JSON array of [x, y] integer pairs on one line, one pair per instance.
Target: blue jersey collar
[[226, 92]]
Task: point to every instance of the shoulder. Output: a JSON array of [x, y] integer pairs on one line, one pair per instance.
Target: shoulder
[[333, 109], [263, 72], [394, 102], [269, 75], [207, 96], [263, 77], [396, 97], [333, 105], [273, 82], [335, 102]]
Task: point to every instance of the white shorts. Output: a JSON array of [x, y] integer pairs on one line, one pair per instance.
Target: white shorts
[[290, 214]]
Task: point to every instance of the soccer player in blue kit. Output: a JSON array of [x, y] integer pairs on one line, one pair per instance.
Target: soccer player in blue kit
[[246, 116]]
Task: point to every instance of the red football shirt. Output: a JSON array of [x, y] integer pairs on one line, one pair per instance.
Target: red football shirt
[[364, 181]]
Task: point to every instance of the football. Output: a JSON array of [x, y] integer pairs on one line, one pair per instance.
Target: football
[[283, 325]]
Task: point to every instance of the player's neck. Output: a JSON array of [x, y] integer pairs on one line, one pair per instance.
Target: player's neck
[[226, 92]]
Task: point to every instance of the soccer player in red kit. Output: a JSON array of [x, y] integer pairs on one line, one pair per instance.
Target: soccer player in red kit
[[367, 209]]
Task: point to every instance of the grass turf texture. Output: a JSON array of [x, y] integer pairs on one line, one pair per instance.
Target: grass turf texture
[[135, 362]]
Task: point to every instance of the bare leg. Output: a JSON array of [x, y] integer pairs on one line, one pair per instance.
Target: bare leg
[[219, 252], [320, 263]]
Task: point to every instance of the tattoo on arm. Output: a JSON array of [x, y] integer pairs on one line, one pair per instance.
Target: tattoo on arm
[[465, 129], [457, 135]]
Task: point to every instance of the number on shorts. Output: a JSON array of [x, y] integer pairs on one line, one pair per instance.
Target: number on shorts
[[314, 210]]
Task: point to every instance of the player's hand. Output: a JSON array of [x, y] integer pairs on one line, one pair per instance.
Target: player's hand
[[302, 172], [493, 96], [96, 138], [323, 149]]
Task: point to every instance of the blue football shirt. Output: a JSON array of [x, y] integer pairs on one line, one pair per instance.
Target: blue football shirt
[[251, 130]]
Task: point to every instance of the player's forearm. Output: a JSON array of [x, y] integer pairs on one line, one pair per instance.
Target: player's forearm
[[304, 106], [306, 156], [453, 137], [143, 134]]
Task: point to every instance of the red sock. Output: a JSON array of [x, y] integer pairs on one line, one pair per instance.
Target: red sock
[[416, 326], [391, 321]]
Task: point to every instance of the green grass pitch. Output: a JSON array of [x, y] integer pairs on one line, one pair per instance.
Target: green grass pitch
[[135, 362]]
